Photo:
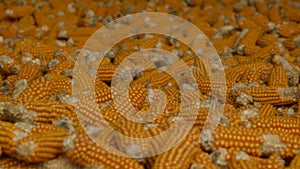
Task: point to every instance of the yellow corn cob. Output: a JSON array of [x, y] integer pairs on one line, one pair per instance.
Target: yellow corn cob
[[87, 153], [255, 142], [244, 23], [284, 124], [234, 137], [278, 77], [88, 112], [287, 30], [9, 135], [106, 72], [266, 40], [76, 32], [30, 71], [19, 11], [38, 89], [268, 94], [185, 151], [11, 163], [267, 110], [249, 49], [247, 11], [291, 13], [295, 163], [48, 111], [289, 44], [121, 55], [240, 159], [261, 7], [59, 83], [266, 52], [295, 52], [38, 147], [251, 37], [274, 14], [235, 73], [62, 67], [202, 159]]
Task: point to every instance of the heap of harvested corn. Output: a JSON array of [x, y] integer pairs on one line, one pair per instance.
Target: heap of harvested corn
[[258, 43]]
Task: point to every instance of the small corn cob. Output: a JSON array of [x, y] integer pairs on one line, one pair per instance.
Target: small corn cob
[[162, 79], [288, 30], [30, 71], [244, 23], [241, 164], [203, 159], [76, 32], [56, 4], [278, 77], [284, 124], [292, 74], [251, 37], [201, 116], [291, 145], [266, 52], [106, 72], [11, 163], [291, 13], [251, 76], [248, 49], [295, 163], [274, 161], [235, 73], [186, 150], [41, 19], [143, 148], [43, 49], [121, 55], [289, 44], [266, 39], [267, 94], [261, 7], [47, 111], [87, 153], [39, 89], [9, 136], [266, 110], [256, 142], [295, 52], [52, 35], [62, 67], [26, 24], [205, 84], [19, 11], [234, 137], [240, 159], [41, 146], [110, 113], [247, 11], [274, 14], [59, 83], [103, 94]]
